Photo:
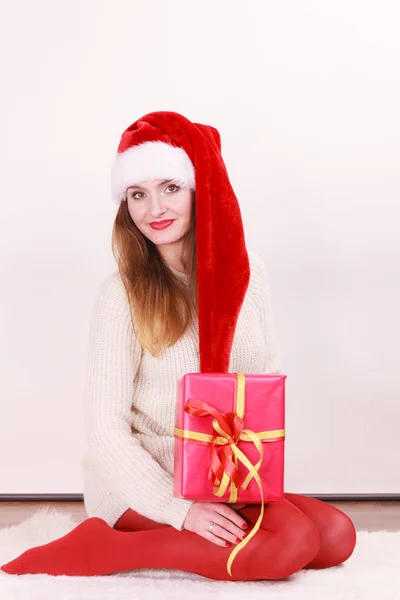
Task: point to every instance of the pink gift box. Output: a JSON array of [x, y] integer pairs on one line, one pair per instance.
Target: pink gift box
[[262, 407]]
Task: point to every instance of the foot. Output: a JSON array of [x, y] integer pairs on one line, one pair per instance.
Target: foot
[[82, 552]]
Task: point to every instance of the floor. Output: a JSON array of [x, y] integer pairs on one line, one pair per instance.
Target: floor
[[369, 516]]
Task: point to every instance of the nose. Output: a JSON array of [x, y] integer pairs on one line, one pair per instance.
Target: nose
[[157, 205]]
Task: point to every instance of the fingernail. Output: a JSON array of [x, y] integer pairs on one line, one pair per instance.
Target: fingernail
[[244, 526], [227, 544]]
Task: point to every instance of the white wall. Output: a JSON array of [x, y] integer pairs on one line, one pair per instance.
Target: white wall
[[306, 97]]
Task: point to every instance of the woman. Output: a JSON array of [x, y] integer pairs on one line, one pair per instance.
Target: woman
[[187, 297]]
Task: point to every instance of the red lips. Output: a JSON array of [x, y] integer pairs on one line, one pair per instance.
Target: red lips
[[161, 224]]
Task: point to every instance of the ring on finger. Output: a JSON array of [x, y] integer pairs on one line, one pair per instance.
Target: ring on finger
[[211, 527]]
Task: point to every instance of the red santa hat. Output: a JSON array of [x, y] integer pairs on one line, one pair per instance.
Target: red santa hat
[[166, 145]]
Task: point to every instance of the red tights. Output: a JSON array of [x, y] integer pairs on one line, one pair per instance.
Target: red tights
[[297, 533], [317, 536]]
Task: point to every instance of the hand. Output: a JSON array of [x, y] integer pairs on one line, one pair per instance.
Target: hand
[[228, 524]]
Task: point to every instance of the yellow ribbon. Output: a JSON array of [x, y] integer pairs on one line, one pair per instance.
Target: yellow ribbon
[[225, 437]]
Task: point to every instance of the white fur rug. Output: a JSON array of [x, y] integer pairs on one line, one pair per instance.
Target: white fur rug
[[372, 572]]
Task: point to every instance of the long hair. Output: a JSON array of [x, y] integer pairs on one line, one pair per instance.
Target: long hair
[[161, 303]]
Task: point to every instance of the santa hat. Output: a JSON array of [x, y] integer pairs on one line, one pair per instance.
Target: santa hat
[[166, 145]]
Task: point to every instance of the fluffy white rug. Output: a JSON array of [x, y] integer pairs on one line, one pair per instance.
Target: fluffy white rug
[[373, 571]]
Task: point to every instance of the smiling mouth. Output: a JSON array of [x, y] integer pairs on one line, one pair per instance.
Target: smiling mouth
[[161, 224]]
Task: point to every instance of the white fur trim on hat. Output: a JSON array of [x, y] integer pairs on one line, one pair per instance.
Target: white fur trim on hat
[[150, 160]]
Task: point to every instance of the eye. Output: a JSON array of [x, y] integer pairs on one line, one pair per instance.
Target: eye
[[134, 194], [173, 186]]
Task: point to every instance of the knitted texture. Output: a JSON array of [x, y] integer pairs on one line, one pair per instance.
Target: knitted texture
[[130, 399]]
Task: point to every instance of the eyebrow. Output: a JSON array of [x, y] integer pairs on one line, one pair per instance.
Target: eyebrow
[[137, 187]]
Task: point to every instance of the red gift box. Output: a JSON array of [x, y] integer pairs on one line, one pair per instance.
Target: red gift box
[[263, 413], [229, 439]]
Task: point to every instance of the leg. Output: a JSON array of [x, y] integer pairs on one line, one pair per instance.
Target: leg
[[337, 531], [94, 548]]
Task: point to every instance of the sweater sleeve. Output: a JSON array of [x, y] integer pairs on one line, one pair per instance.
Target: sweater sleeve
[[113, 360], [272, 363]]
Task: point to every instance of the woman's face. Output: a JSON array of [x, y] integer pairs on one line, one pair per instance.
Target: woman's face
[[160, 200]]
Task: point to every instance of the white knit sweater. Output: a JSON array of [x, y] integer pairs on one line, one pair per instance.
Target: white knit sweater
[[130, 400]]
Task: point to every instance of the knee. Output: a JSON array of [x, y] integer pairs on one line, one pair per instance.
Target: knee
[[302, 544], [342, 538], [338, 540]]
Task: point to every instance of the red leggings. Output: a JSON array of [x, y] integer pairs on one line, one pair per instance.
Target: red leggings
[[299, 532]]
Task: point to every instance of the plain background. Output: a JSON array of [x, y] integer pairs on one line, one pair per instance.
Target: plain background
[[306, 96]]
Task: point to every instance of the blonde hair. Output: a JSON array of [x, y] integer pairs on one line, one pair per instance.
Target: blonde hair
[[161, 303]]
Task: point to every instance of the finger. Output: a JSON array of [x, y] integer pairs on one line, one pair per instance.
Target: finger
[[228, 531], [227, 523], [208, 535], [232, 516]]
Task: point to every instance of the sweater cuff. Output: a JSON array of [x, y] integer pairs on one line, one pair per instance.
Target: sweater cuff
[[175, 512]]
